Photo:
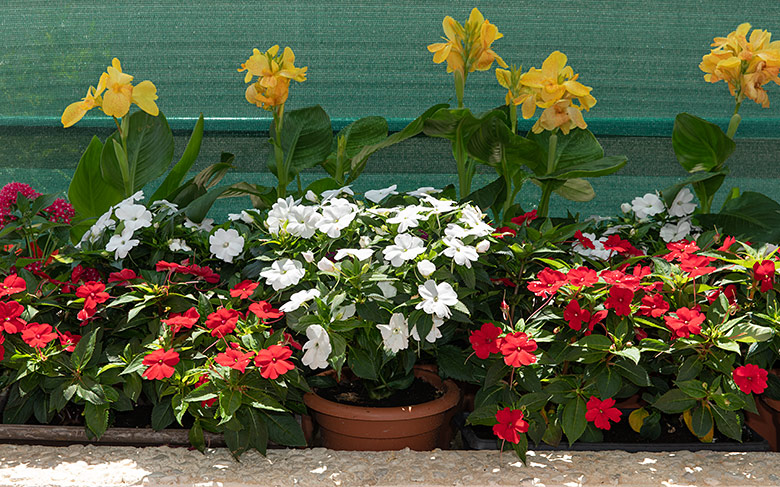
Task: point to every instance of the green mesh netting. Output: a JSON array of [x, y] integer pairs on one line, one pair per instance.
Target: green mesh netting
[[370, 58]]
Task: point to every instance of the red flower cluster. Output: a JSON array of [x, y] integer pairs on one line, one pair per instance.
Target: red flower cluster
[[94, 293], [60, 211], [185, 267], [177, 321], [516, 347]]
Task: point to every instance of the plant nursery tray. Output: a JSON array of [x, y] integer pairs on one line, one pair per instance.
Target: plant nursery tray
[[472, 440]]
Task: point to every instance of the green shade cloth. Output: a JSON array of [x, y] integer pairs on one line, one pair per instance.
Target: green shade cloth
[[370, 58]]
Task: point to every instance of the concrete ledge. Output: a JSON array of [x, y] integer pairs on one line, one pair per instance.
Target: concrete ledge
[[109, 466]]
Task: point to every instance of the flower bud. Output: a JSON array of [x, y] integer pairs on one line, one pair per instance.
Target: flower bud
[[311, 196], [326, 265], [505, 310], [364, 242], [308, 256], [426, 267], [483, 246], [625, 208]]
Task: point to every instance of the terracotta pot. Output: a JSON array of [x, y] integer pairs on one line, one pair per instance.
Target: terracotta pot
[[419, 427], [767, 421]]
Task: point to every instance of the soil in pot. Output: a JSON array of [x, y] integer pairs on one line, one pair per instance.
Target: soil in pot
[[360, 427], [674, 436], [351, 392]]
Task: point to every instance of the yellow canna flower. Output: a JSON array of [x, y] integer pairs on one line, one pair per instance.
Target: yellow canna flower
[[510, 79], [554, 88], [117, 95], [76, 111], [273, 76], [745, 63], [467, 47]]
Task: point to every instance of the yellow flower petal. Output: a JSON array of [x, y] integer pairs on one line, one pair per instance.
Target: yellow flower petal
[[554, 63], [144, 95], [73, 113], [116, 103]]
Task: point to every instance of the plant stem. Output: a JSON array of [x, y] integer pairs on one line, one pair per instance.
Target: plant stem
[[513, 117], [547, 189], [551, 148], [281, 172], [460, 87], [734, 122]]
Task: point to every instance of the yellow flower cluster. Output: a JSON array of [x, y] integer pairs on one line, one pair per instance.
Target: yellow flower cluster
[[467, 47], [113, 95], [745, 63], [273, 76], [554, 88]]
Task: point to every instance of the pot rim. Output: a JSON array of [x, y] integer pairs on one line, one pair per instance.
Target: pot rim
[[440, 405]]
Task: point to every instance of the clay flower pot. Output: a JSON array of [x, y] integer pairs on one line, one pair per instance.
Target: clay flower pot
[[345, 427]]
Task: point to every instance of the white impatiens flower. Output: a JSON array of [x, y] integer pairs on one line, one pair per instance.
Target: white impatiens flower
[[437, 298], [243, 216], [359, 254], [283, 273], [395, 335], [226, 244], [377, 195], [206, 225], [303, 221], [332, 193], [336, 216], [426, 267], [178, 245], [388, 290], [455, 231], [439, 206], [365, 242], [432, 335], [474, 220], [682, 205], [424, 191], [647, 205], [122, 244], [299, 299], [137, 196], [407, 247], [101, 225], [279, 215], [625, 207], [461, 254], [326, 265], [166, 206], [134, 216], [672, 232], [483, 246], [317, 349], [406, 218]]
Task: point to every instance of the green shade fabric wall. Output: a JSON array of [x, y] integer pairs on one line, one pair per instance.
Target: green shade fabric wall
[[370, 58]]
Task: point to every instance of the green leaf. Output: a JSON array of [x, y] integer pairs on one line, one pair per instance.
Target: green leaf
[[453, 362], [608, 382], [284, 430], [179, 171], [534, 401], [633, 372], [237, 441], [701, 421], [200, 206], [363, 132], [305, 139], [179, 407], [728, 422], [162, 415], [589, 169], [631, 353], [229, 402], [96, 418], [693, 388], [149, 151], [689, 369], [490, 195], [82, 353], [579, 190], [750, 333], [750, 216], [485, 416], [573, 419], [258, 430], [88, 193], [577, 147], [362, 364], [674, 401], [415, 127], [196, 436], [595, 342], [700, 145]]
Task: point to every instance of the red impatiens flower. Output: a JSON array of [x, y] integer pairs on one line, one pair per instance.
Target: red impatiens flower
[[582, 277], [85, 314], [38, 335], [618, 277], [524, 218], [653, 305], [177, 321], [485, 340], [162, 266], [764, 274], [204, 272], [687, 322], [584, 241], [602, 412], [222, 321], [727, 243], [517, 349], [575, 315], [750, 378], [510, 425], [243, 289], [11, 285], [160, 364], [289, 340], [273, 361], [619, 245], [549, 282], [93, 292], [597, 318], [203, 379], [680, 248], [9, 317], [620, 300], [69, 340], [234, 359], [502, 232], [265, 311], [729, 291], [696, 265], [123, 277]]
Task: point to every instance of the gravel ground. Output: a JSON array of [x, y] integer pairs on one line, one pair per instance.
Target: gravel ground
[[108, 466]]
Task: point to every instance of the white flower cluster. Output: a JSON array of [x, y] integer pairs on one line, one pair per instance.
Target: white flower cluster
[[127, 216], [678, 224]]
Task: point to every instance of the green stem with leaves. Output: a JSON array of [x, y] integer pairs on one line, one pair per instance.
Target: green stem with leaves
[[547, 186], [281, 172]]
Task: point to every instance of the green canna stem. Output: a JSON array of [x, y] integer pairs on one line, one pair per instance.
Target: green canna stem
[[281, 173]]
